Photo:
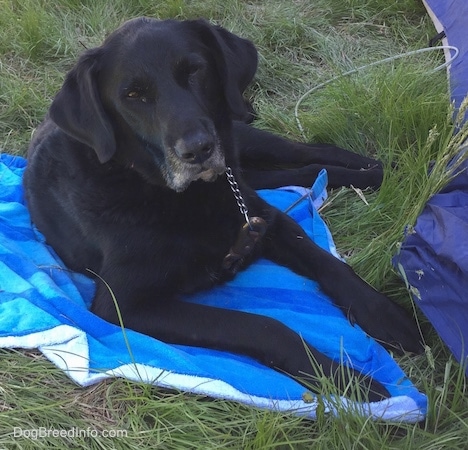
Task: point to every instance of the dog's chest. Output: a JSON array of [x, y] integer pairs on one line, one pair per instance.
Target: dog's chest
[[185, 237], [203, 234]]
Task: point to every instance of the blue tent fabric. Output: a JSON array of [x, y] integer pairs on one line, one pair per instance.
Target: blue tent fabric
[[45, 306], [450, 16], [434, 261], [433, 258]]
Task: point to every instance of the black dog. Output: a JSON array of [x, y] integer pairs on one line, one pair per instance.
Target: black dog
[[126, 179]]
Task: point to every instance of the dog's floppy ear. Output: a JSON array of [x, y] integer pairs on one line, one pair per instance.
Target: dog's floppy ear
[[77, 108], [237, 61]]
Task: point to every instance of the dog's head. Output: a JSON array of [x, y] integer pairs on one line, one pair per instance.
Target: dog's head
[[159, 97]]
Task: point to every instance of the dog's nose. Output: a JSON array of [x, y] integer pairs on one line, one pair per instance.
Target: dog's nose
[[195, 148]]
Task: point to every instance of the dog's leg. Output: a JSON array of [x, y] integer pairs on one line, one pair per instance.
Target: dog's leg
[[270, 161], [262, 338], [287, 244], [305, 176]]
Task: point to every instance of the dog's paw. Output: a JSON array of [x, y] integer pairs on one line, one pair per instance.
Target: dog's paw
[[389, 324], [322, 375]]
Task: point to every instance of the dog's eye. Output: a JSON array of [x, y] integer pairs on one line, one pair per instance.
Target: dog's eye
[[193, 69], [136, 94], [189, 71]]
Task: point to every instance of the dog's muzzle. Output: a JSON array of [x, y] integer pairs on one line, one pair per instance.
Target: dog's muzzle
[[179, 173]]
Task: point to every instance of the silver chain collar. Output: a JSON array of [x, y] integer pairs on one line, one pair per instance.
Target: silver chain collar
[[238, 196], [249, 234]]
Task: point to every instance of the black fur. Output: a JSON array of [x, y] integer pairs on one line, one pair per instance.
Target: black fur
[[126, 178]]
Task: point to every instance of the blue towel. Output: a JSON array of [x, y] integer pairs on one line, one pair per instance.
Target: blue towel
[[45, 306]]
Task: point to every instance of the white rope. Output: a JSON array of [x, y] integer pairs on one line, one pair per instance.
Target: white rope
[[382, 61]]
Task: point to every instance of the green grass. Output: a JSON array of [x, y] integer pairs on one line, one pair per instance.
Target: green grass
[[398, 112]]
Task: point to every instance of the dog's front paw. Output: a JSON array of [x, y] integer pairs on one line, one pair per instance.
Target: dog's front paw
[[389, 324]]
